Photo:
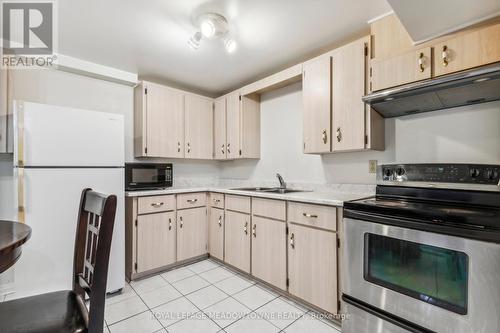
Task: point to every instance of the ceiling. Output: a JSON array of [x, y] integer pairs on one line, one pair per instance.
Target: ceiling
[[150, 37]]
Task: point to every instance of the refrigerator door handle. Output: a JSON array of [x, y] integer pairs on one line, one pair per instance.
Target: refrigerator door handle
[[20, 135], [20, 195]]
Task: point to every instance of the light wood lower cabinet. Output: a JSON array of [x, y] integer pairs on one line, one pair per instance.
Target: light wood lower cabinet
[[312, 266], [156, 235], [237, 240], [269, 251], [191, 233], [216, 233]]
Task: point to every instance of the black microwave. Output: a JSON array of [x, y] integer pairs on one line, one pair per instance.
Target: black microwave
[[148, 176]]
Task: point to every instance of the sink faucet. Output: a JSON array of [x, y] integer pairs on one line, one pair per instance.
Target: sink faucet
[[282, 182]]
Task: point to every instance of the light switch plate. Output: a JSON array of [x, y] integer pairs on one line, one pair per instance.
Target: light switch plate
[[372, 166]]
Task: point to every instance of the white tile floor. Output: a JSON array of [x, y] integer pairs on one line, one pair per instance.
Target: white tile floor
[[206, 297]]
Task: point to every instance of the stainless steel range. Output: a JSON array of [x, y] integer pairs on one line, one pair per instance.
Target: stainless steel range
[[423, 255]]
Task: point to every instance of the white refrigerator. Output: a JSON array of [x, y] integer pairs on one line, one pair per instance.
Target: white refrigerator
[[58, 152]]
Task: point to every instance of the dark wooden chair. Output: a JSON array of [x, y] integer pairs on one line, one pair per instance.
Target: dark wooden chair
[[65, 311]]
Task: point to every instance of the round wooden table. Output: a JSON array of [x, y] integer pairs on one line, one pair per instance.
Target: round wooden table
[[12, 236]]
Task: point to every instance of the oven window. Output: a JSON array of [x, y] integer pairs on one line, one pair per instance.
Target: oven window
[[147, 176], [432, 274]]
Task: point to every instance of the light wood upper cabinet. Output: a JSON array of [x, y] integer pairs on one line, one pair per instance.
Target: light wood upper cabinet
[[220, 128], [408, 67], [191, 233], [269, 251], [156, 234], [316, 90], [216, 233], [3, 110], [237, 240], [159, 121], [233, 120], [198, 127], [312, 266], [348, 87], [476, 48]]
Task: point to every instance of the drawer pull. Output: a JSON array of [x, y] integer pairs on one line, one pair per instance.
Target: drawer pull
[[169, 224], [313, 216], [181, 224], [157, 204], [192, 200], [220, 221], [245, 228], [216, 201], [292, 241], [254, 231]]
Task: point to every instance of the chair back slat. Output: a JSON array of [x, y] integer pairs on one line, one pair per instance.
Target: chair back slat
[[92, 247]]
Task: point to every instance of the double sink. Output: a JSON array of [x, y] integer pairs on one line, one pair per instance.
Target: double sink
[[278, 190]]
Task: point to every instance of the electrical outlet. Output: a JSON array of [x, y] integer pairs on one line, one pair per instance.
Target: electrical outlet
[[372, 166]]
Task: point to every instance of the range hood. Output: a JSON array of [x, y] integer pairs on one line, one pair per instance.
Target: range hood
[[474, 86]]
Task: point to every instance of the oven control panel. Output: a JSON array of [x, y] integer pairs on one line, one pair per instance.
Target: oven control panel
[[441, 173]]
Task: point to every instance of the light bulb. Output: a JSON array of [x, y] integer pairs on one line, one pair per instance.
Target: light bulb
[[230, 45], [207, 28], [194, 41]]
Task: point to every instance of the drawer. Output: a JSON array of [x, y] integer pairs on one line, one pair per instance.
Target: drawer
[[238, 203], [191, 200], [216, 200], [273, 209], [155, 204], [324, 217]]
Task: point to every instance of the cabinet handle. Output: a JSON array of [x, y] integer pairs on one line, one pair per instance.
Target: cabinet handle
[[220, 221], [188, 147], [228, 148], [444, 56], [421, 62], [310, 215], [324, 136], [222, 149], [157, 204], [216, 200], [178, 146], [169, 224], [339, 134], [245, 229], [181, 224], [254, 231], [292, 241], [191, 200]]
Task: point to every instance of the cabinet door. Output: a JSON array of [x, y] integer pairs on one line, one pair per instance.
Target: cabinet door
[[198, 127], [312, 266], [216, 233], [269, 251], [477, 48], [164, 121], [233, 125], [237, 240], [191, 233], [348, 87], [220, 128], [155, 240], [401, 69], [3, 110], [316, 90], [250, 127]]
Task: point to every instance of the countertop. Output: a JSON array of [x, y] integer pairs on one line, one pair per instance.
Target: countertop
[[330, 198]]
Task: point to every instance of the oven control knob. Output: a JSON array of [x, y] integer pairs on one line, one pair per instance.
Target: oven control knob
[[400, 171], [474, 172], [491, 174]]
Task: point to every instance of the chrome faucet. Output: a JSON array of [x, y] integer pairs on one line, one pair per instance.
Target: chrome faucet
[[282, 182]]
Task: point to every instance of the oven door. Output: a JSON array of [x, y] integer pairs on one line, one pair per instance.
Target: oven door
[[442, 283]]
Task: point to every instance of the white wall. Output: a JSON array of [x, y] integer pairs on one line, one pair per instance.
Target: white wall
[[461, 135]]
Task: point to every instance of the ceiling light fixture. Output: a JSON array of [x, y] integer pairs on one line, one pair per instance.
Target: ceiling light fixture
[[212, 26]]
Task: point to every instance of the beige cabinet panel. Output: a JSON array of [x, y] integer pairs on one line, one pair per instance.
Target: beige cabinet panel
[[348, 87], [3, 110], [191, 233], [164, 121], [250, 127], [405, 68], [269, 251], [312, 266], [216, 200], [233, 121], [238, 203], [237, 240], [274, 209], [317, 216], [477, 48], [316, 90], [216, 233], [155, 204], [156, 235], [198, 127], [191, 200], [220, 128]]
